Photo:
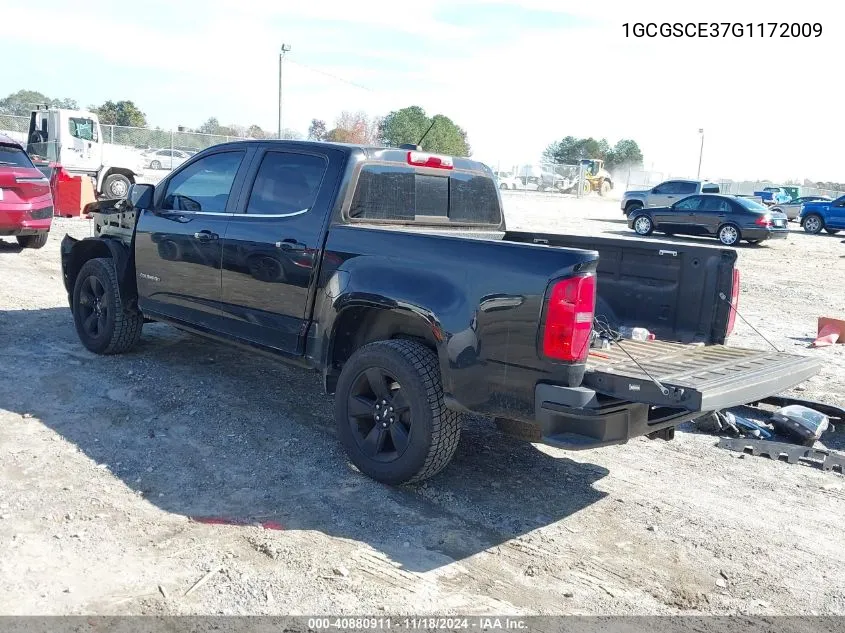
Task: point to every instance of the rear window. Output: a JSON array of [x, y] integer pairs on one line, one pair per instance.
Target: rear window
[[400, 194], [751, 205], [13, 156]]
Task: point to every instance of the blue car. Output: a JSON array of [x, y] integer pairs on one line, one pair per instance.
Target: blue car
[[823, 214]]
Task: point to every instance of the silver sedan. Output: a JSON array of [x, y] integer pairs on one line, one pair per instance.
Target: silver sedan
[[793, 208]]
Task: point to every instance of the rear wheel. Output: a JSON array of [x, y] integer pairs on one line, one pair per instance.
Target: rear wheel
[[643, 225], [33, 241], [503, 186], [729, 235], [105, 325], [390, 412], [155, 165], [813, 224]]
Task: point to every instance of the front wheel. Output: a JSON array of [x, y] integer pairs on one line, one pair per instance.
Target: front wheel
[[813, 224], [729, 235], [116, 186], [605, 188], [105, 325], [33, 241], [390, 412], [155, 165], [643, 225]]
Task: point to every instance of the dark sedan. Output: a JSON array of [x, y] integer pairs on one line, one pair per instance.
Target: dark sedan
[[727, 218]]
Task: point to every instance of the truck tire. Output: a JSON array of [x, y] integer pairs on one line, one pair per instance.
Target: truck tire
[[116, 186], [813, 224], [104, 324], [402, 379], [33, 241], [633, 206]]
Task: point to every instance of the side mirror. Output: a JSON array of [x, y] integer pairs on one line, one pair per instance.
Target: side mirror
[[140, 196]]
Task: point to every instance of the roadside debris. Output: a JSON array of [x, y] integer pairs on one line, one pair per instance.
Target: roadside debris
[[199, 583], [803, 422], [830, 332], [790, 453]]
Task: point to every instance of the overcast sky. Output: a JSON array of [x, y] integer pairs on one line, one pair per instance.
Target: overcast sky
[[515, 74]]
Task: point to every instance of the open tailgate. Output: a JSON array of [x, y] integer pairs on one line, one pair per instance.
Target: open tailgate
[[697, 377]]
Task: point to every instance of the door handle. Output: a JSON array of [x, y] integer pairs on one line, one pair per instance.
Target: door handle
[[205, 236], [290, 245], [721, 215]]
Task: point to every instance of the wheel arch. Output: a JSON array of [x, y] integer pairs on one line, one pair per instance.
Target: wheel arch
[[363, 322], [75, 253]]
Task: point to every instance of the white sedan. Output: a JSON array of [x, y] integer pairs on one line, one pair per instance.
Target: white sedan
[[793, 208], [507, 181], [165, 158]]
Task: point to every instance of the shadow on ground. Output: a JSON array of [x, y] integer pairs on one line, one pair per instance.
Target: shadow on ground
[[9, 247], [208, 431]]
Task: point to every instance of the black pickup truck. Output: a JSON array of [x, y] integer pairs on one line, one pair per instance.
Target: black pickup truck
[[391, 272]]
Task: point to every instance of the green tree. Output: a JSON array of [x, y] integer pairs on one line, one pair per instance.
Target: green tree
[[625, 153], [20, 103], [317, 130], [123, 113], [409, 124], [569, 150], [255, 131]]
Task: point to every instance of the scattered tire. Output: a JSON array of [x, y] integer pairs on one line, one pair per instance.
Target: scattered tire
[[116, 186], [418, 436], [104, 324], [813, 224], [33, 241], [729, 234], [643, 225]]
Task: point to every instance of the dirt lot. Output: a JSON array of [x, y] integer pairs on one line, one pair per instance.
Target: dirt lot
[[116, 473]]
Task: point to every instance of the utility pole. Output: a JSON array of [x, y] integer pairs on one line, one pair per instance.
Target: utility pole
[[700, 152], [285, 49]]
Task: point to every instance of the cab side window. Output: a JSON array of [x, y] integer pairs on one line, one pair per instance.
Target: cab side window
[[204, 185], [286, 183]]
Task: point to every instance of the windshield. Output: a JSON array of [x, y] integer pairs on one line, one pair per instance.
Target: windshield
[[752, 205]]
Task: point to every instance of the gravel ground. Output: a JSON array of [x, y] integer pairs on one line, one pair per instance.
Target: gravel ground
[[125, 480]]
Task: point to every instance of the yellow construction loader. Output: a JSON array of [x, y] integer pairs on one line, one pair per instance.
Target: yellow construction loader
[[596, 177]]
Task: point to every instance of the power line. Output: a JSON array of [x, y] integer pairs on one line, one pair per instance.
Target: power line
[[327, 74]]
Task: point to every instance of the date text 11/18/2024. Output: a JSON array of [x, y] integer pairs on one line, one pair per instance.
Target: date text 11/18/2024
[[485, 623], [722, 29]]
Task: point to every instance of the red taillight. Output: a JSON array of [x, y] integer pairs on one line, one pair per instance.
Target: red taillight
[[421, 159], [734, 302], [763, 220], [569, 318]]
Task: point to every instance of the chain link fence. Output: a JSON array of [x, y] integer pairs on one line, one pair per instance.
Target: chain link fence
[[540, 176], [160, 149]]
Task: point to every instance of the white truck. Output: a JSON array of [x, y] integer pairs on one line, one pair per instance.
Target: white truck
[[74, 139]]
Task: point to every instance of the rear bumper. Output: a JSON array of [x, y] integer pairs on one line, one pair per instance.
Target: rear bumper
[[765, 234], [579, 418], [24, 220]]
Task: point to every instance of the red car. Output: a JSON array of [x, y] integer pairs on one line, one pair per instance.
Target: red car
[[26, 203]]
